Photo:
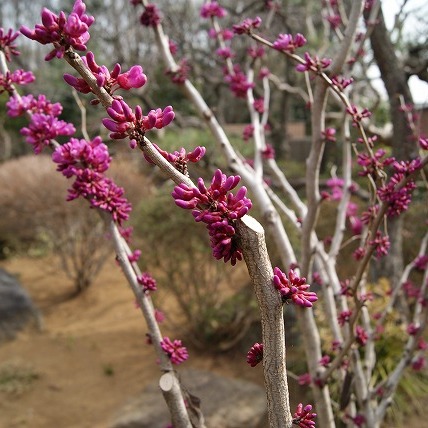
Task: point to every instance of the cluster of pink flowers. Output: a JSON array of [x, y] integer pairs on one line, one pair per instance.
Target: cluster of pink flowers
[[381, 244], [180, 75], [293, 288], [344, 317], [147, 282], [304, 418], [64, 32], [373, 164], [218, 208], [313, 64], [87, 161], [238, 82], [361, 335], [6, 43], [43, 128], [181, 158], [125, 123], [17, 77], [110, 81], [16, 106], [247, 25], [288, 43], [399, 198], [176, 352], [151, 16], [358, 116], [255, 354], [212, 9]]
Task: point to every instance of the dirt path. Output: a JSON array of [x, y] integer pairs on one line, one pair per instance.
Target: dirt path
[[89, 359]]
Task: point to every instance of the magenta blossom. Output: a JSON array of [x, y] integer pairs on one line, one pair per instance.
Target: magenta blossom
[[361, 335], [255, 354], [218, 208], [212, 9], [43, 128], [176, 352], [181, 74], [134, 257], [17, 77], [110, 81], [288, 43], [180, 158], [256, 51], [151, 16], [87, 161], [64, 32], [247, 25], [268, 152], [313, 64], [225, 52], [125, 123], [16, 106], [78, 154], [147, 282], [304, 416], [6, 43], [293, 287], [238, 82], [358, 116]]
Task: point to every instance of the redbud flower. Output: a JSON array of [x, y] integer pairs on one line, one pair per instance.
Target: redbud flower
[[6, 43], [247, 25], [288, 43], [256, 51], [17, 77], [313, 64], [304, 416], [358, 420], [176, 352], [412, 329], [19, 105], [361, 335], [344, 317], [359, 253], [334, 21], [264, 72], [181, 74], [151, 16], [255, 354], [423, 143], [212, 9], [304, 379], [268, 152], [64, 32], [218, 208], [147, 282], [43, 128], [421, 262], [110, 81], [181, 158], [357, 116], [248, 132], [238, 82], [134, 256], [419, 363], [329, 135], [381, 243], [294, 288], [78, 154], [125, 123], [259, 105], [87, 161], [159, 316], [324, 361], [225, 52], [341, 82]]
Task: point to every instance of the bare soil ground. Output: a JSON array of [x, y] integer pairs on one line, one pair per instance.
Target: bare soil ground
[[90, 357]]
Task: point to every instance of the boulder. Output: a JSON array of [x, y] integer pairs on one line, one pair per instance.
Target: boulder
[[225, 403], [16, 307]]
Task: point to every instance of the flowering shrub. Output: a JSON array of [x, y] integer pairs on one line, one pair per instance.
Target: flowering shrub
[[233, 234]]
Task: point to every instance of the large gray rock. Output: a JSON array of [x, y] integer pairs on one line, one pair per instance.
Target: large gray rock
[[16, 307], [225, 403]]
